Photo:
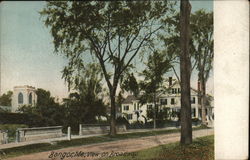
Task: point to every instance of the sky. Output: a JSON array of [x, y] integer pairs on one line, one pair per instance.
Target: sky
[[26, 49]]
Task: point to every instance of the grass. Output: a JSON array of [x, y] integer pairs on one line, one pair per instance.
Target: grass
[[34, 148], [201, 149]]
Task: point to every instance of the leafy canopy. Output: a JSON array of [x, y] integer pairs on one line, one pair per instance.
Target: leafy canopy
[[5, 99], [111, 32]]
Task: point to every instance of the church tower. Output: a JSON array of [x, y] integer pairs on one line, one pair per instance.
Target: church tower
[[23, 95]]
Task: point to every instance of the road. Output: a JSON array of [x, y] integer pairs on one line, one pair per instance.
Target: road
[[95, 151]]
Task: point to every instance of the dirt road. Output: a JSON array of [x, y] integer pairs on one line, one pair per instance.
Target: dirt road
[[95, 151]]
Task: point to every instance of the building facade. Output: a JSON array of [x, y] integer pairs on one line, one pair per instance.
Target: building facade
[[133, 111], [23, 95]]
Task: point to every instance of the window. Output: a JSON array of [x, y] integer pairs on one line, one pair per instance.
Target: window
[[193, 100], [20, 98], [125, 108], [129, 116], [134, 106], [30, 98], [149, 107], [172, 90], [172, 100], [138, 107], [193, 112], [179, 90], [163, 101], [175, 90]]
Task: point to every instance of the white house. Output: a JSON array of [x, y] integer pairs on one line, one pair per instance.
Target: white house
[[23, 95], [171, 99]]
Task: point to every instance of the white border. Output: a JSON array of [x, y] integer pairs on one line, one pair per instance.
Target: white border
[[231, 79]]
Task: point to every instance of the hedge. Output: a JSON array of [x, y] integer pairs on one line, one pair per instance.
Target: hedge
[[31, 120]]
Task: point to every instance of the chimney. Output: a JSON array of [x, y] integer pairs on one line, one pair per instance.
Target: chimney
[[170, 81], [199, 85]]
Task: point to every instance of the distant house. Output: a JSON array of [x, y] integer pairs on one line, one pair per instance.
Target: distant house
[[23, 95], [131, 107]]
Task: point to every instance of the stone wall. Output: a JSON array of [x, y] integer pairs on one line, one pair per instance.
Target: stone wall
[[38, 133], [98, 129]]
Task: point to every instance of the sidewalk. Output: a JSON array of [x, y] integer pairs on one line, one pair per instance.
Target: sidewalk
[[119, 146]]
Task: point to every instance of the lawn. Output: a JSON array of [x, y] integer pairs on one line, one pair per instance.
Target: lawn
[[201, 149], [17, 151]]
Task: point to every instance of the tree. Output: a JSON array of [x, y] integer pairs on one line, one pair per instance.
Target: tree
[[185, 72], [157, 66], [202, 41], [201, 48], [111, 32], [5, 99], [86, 103], [119, 101], [46, 107], [130, 84], [50, 112]]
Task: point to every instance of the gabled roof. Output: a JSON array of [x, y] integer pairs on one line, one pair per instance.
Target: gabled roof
[[129, 99]]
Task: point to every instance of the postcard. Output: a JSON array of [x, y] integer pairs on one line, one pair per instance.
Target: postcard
[[124, 80]]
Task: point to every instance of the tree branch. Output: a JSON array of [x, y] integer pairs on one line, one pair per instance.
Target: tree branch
[[178, 78]]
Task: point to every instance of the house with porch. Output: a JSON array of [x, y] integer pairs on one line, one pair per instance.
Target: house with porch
[[134, 111]]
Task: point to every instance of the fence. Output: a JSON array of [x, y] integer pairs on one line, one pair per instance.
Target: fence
[[38, 133], [3, 137], [88, 129]]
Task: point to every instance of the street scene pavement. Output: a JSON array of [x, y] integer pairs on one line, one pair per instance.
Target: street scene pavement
[[52, 140], [100, 150]]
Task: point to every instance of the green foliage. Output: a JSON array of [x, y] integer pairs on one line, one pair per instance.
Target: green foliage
[[201, 42], [119, 101], [11, 128], [49, 112], [33, 148], [122, 120], [130, 84], [113, 33], [202, 148], [202, 38], [32, 120], [5, 99], [52, 113], [157, 66], [85, 105]]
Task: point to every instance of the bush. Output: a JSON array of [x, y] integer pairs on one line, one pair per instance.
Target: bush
[[196, 121], [122, 121], [31, 120], [136, 125], [11, 128]]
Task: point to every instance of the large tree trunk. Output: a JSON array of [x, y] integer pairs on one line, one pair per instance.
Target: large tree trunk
[[203, 100], [154, 111], [185, 69], [113, 114]]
